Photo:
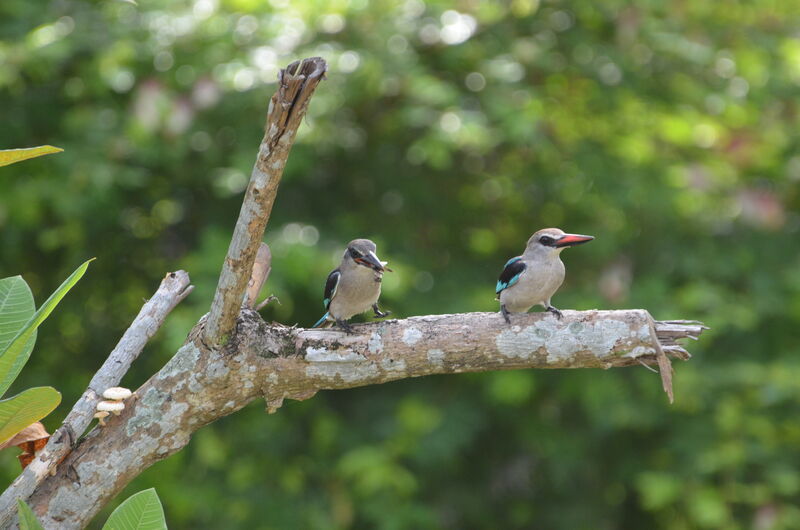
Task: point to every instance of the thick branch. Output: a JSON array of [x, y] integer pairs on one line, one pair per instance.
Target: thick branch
[[200, 384], [174, 288], [296, 85]]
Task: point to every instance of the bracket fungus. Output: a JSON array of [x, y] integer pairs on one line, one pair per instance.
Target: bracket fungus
[[101, 416], [117, 393], [112, 403], [111, 406]]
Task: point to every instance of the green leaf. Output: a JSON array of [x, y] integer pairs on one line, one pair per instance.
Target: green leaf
[[14, 356], [29, 406], [141, 511], [16, 309], [27, 521], [10, 156]]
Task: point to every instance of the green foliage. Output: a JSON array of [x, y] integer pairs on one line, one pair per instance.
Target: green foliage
[[27, 521], [16, 310], [141, 511], [11, 156], [18, 323], [25, 408], [668, 130], [16, 353]]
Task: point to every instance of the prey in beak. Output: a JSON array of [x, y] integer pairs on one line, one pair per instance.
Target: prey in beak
[[350, 290], [370, 260]]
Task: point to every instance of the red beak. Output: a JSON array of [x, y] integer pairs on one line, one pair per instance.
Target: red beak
[[570, 240]]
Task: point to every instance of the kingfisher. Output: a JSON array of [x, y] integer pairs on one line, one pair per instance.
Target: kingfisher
[[355, 285], [535, 276]]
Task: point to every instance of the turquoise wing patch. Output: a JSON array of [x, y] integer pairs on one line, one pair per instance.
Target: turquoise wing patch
[[330, 287], [511, 273]]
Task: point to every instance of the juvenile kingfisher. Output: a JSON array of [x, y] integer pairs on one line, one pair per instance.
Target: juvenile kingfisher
[[354, 286], [535, 276]]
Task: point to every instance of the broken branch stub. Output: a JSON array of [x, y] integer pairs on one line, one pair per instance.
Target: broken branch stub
[[296, 84], [261, 270]]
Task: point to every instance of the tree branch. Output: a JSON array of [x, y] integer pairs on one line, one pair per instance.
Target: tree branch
[[173, 288], [201, 384], [296, 85]]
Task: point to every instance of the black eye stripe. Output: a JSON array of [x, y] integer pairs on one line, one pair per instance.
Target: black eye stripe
[[354, 253], [547, 241]]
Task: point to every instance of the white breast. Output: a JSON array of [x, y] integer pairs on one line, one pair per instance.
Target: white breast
[[537, 283], [356, 292]]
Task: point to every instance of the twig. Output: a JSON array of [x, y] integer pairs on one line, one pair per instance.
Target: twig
[[268, 300], [296, 85], [648, 367], [261, 270], [174, 288], [664, 364]]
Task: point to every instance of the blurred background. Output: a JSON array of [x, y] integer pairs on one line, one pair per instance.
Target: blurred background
[[447, 132]]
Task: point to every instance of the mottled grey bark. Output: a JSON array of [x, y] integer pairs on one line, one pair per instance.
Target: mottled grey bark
[[201, 384]]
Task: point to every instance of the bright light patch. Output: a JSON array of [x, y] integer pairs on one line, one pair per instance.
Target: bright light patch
[[333, 23], [204, 8], [475, 81], [122, 81], [457, 27], [349, 61], [450, 122], [244, 79], [264, 57], [309, 235]]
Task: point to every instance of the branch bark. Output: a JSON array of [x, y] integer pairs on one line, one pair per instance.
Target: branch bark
[[296, 85], [200, 384], [173, 288]]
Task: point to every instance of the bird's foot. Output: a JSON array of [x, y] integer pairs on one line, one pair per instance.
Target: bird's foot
[[504, 312], [379, 313], [556, 312], [345, 326]]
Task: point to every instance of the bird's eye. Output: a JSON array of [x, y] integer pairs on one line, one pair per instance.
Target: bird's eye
[[354, 253], [546, 240]]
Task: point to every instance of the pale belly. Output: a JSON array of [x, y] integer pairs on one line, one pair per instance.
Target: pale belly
[[355, 295], [533, 287]]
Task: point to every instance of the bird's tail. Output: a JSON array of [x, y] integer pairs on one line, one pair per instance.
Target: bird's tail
[[321, 320]]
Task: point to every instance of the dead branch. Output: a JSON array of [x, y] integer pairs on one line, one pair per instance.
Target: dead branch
[[201, 384], [296, 85]]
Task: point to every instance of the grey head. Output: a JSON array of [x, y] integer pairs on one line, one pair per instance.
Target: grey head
[[362, 252], [551, 241]]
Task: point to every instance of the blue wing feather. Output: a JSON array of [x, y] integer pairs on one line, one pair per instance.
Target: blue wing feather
[[320, 321], [330, 291], [330, 287], [511, 273]]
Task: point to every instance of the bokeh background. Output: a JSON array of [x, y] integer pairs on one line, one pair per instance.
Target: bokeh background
[[447, 132]]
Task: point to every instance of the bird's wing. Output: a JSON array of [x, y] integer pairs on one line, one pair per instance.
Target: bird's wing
[[330, 287], [511, 273]]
